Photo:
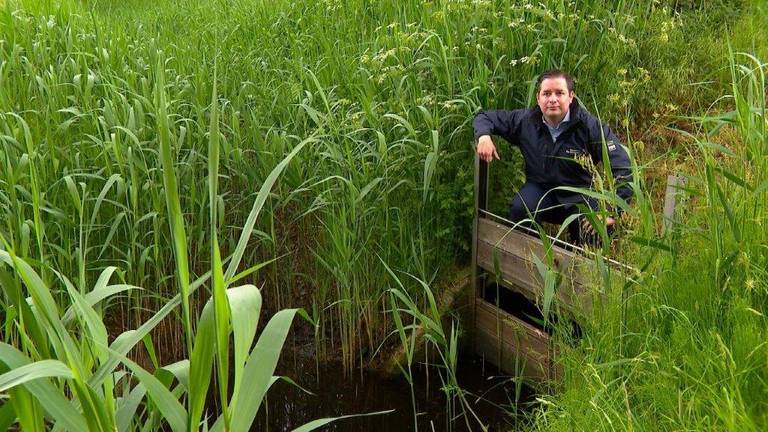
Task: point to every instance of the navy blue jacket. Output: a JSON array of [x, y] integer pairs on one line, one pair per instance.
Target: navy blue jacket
[[553, 164]]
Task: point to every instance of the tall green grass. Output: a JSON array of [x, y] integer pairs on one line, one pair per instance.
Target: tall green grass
[[386, 178], [89, 391]]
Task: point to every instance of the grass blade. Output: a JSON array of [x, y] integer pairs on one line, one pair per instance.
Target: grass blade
[[33, 371]]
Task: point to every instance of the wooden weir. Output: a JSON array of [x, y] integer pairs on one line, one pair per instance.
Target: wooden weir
[[505, 255]]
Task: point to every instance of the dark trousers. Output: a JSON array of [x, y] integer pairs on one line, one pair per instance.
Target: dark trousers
[[535, 201]]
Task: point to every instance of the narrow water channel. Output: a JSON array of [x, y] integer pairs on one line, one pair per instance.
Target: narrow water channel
[[493, 399]]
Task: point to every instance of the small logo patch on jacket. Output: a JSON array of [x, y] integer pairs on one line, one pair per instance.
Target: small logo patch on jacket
[[611, 146]]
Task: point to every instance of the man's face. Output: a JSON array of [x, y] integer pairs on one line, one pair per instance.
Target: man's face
[[554, 99]]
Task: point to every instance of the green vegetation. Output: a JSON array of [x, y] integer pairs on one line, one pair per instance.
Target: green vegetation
[[685, 346], [317, 149]]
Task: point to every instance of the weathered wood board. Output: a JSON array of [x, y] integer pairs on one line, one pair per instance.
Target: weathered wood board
[[514, 251], [514, 346], [674, 185]]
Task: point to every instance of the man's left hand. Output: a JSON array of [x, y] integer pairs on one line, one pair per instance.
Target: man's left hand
[[589, 229]]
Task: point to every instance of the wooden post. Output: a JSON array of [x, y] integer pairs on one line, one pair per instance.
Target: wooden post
[[674, 184], [481, 202], [481, 199]]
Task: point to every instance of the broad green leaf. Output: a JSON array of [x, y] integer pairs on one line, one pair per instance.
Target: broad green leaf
[[166, 403], [322, 422], [611, 198], [179, 370], [107, 186], [73, 193], [57, 406], [650, 243], [403, 122], [12, 289], [735, 179], [259, 369], [27, 411], [253, 269], [245, 306], [549, 281], [729, 213], [201, 363], [96, 296], [367, 188], [33, 371], [126, 407]]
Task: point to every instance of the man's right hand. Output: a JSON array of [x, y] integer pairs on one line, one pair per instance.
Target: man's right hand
[[486, 150]]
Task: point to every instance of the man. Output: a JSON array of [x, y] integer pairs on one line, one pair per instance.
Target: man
[[555, 137]]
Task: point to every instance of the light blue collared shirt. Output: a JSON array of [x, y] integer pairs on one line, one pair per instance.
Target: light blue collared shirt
[[557, 130]]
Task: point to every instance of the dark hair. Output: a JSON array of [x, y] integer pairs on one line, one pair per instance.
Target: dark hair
[[554, 73]]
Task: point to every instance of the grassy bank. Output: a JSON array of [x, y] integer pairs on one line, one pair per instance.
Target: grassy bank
[[379, 96], [685, 348]]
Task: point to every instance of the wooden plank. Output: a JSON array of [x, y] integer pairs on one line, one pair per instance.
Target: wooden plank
[[524, 245], [514, 253], [497, 322], [521, 276], [510, 363], [513, 345], [516, 271]]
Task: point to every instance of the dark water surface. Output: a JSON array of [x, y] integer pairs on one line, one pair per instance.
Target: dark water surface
[[335, 394]]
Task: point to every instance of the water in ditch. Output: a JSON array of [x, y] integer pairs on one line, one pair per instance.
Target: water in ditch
[[495, 399]]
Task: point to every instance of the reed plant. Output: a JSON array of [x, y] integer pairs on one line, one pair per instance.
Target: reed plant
[[426, 326], [89, 391], [394, 133]]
